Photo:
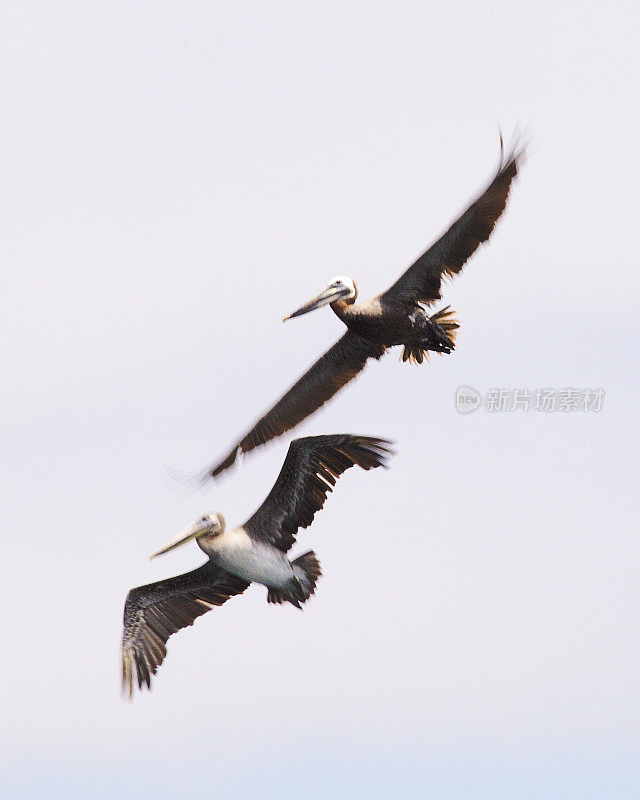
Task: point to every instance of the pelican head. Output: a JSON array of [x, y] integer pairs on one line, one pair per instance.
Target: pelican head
[[340, 288], [202, 530]]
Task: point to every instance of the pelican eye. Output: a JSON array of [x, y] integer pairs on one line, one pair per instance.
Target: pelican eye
[[204, 519]]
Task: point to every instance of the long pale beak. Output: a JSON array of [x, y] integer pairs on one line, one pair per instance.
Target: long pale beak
[[190, 532], [327, 295]]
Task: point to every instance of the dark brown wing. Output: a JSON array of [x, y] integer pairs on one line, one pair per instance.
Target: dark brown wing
[[155, 611], [328, 375], [421, 282], [310, 470]]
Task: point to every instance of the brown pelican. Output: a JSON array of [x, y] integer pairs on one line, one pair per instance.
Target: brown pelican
[[395, 317], [254, 552]]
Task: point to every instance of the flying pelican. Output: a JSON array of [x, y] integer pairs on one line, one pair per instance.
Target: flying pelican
[[395, 317], [254, 552]]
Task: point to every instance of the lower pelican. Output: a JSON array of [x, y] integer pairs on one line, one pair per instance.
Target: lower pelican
[[255, 552]]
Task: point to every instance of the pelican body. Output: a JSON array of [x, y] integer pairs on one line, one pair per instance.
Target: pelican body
[[255, 552], [240, 552], [394, 317], [387, 322]]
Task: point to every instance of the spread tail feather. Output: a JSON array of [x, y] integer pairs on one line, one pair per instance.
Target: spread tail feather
[[442, 338], [448, 324], [306, 570]]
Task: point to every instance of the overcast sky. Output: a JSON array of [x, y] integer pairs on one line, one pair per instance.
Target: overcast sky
[[176, 178]]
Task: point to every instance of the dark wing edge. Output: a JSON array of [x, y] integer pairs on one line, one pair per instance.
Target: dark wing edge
[[446, 257], [152, 613], [311, 470], [340, 364]]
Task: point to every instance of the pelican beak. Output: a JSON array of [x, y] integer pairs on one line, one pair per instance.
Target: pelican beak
[[190, 532], [327, 295]]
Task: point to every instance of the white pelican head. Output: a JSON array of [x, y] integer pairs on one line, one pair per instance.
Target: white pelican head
[[202, 530], [340, 288]]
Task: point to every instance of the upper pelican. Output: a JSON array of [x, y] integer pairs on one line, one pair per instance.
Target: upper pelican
[[394, 317], [254, 552]]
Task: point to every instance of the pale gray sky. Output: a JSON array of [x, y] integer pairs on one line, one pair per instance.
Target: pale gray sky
[[177, 177]]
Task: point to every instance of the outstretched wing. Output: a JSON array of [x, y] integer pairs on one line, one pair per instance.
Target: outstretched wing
[[155, 611], [421, 282], [328, 375], [310, 470]]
